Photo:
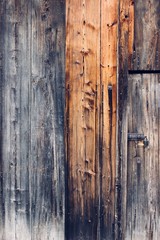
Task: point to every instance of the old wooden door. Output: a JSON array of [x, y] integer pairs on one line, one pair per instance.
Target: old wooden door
[[138, 167], [141, 203]]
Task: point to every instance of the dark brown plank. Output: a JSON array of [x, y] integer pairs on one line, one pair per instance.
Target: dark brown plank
[[146, 45], [125, 46]]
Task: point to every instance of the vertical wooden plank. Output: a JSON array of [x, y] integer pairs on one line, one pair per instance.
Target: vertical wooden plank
[[91, 109], [146, 39], [32, 119], [22, 59], [139, 24], [74, 112], [109, 18], [91, 115], [14, 132], [1, 99], [125, 50], [126, 33], [10, 118], [47, 119], [82, 84]]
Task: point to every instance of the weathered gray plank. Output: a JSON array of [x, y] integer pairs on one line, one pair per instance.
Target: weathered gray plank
[[32, 119], [10, 119], [47, 109], [146, 46], [1, 78], [140, 192], [22, 59]]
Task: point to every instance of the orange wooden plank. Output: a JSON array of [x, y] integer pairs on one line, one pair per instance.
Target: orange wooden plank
[[83, 76], [91, 63], [109, 13]]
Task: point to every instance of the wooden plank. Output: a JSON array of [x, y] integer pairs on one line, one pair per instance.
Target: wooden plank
[[141, 190], [75, 149], [47, 114], [32, 120], [82, 76], [91, 117], [109, 18], [139, 34], [146, 40], [11, 124], [1, 79], [22, 59], [126, 33], [125, 48]]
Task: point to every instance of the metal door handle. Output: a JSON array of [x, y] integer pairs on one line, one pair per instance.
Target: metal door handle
[[138, 137]]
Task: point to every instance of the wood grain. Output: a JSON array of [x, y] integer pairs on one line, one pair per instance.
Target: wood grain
[[125, 45], [91, 62], [47, 110], [82, 84], [126, 33], [109, 18], [141, 172], [139, 34], [146, 36], [32, 120], [138, 50]]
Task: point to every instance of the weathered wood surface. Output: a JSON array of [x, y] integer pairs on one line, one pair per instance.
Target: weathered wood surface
[[125, 33], [83, 86], [146, 45], [108, 48], [139, 34], [91, 33], [138, 46], [125, 43], [140, 173], [32, 117]]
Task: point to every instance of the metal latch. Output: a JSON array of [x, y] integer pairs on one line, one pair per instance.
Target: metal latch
[[138, 137]]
